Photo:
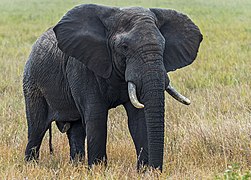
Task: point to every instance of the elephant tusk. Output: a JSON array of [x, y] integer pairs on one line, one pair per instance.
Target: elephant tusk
[[176, 95], [133, 97]]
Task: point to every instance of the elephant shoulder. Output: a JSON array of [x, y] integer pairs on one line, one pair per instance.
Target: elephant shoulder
[[47, 40], [46, 47], [45, 56]]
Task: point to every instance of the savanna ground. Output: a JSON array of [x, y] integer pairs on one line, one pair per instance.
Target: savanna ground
[[209, 139]]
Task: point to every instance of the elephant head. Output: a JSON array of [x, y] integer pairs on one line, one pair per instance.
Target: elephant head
[[136, 45]]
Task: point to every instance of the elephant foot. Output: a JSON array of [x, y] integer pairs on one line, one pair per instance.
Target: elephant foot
[[78, 158], [98, 161], [31, 155]]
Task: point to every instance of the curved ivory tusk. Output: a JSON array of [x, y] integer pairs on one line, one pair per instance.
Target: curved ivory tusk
[[176, 95], [133, 97]]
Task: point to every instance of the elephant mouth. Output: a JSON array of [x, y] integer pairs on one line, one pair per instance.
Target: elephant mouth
[[171, 91]]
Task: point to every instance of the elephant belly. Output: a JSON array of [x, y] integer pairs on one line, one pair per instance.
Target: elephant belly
[[62, 110], [63, 116], [61, 104]]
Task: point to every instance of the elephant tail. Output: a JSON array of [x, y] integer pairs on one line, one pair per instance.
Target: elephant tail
[[50, 140]]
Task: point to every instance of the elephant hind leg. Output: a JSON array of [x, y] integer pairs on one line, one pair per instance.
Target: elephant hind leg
[[38, 124], [76, 135]]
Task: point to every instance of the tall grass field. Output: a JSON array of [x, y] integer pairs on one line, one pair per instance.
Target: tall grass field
[[210, 139]]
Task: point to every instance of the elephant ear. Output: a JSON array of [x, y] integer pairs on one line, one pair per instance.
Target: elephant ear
[[82, 34], [182, 37]]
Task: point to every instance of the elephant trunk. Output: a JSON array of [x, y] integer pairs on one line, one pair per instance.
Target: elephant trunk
[[153, 99]]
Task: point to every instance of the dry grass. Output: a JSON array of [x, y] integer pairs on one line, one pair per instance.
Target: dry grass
[[201, 140]]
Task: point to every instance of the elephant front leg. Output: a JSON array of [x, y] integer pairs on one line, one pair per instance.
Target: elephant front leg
[[96, 131], [138, 131], [76, 135]]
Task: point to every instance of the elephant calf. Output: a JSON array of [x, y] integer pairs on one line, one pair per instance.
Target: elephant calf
[[97, 58]]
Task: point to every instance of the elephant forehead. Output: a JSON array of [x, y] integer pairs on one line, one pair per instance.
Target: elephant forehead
[[132, 17], [131, 13], [136, 9]]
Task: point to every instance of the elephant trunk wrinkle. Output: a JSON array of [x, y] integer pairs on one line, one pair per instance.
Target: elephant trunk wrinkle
[[154, 112], [146, 51], [153, 99]]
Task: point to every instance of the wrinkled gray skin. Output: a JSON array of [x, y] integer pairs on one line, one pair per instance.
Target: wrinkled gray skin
[[80, 69]]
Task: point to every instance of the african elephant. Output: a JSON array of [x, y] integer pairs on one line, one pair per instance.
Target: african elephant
[[97, 58]]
